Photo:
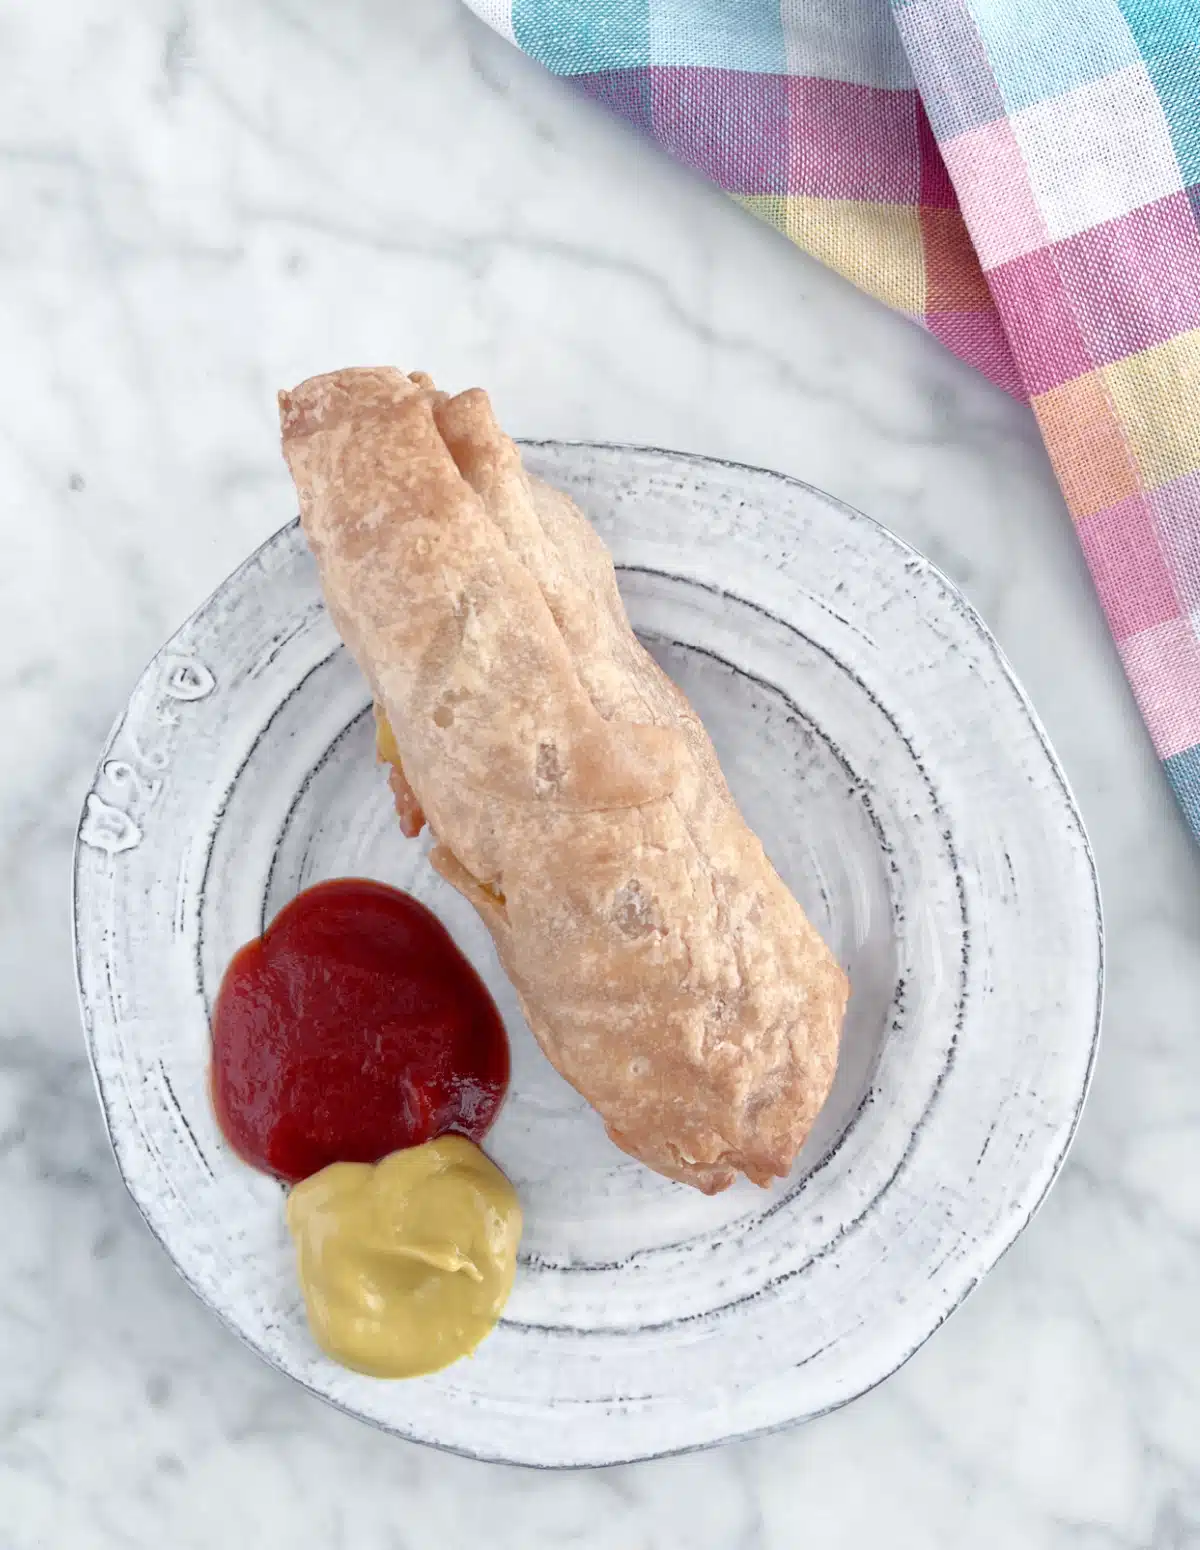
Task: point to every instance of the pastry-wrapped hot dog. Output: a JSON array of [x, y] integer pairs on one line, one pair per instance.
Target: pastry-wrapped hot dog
[[575, 798]]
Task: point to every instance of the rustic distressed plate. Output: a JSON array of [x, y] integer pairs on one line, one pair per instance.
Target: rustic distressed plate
[[876, 740]]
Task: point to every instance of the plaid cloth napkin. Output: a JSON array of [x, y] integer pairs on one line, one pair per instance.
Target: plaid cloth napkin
[[1022, 177]]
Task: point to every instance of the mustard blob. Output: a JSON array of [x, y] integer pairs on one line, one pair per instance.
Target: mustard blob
[[405, 1264]]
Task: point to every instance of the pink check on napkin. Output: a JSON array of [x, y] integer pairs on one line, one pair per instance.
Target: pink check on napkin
[[1022, 177]]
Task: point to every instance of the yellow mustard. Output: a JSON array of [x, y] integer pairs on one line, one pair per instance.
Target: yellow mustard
[[406, 1264]]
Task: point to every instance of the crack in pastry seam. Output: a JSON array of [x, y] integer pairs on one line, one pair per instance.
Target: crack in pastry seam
[[732, 1146], [697, 856]]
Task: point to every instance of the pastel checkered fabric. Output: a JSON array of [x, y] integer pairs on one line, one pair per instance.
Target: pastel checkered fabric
[[1022, 177]]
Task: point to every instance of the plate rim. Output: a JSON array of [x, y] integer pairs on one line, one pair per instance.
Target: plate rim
[[1007, 671]]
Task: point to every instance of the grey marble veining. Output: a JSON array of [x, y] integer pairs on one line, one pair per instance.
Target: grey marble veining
[[204, 203]]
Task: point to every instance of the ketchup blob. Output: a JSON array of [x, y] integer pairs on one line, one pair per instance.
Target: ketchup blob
[[351, 1028]]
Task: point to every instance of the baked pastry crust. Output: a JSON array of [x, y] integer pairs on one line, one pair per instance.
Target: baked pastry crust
[[577, 802]]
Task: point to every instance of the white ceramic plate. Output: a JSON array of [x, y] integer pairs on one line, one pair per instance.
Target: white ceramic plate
[[877, 742]]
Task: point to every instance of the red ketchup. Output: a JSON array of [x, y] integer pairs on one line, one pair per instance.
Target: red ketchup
[[351, 1028]]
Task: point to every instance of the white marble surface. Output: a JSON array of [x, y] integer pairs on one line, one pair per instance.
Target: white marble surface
[[201, 203]]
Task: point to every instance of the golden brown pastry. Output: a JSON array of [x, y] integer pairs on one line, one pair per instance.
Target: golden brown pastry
[[576, 799]]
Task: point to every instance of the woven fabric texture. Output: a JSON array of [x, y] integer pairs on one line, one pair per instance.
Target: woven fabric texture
[[1020, 177]]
